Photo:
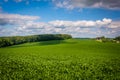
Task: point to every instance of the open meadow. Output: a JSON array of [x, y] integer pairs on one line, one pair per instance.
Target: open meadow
[[72, 59]]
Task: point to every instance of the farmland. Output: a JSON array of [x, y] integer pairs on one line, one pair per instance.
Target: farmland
[[72, 59]]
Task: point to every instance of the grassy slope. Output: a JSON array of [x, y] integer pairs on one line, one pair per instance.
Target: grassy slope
[[65, 60]]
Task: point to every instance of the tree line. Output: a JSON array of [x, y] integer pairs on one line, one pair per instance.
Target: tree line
[[104, 39], [117, 38], [14, 40]]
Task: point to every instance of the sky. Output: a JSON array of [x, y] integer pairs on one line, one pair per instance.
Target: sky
[[79, 18]]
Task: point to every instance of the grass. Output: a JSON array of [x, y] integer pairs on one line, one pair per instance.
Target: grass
[[72, 59]]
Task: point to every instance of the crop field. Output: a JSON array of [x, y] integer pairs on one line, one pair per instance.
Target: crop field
[[72, 59]]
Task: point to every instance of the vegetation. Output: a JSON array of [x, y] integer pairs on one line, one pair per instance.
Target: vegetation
[[117, 38], [104, 39], [8, 41], [72, 59]]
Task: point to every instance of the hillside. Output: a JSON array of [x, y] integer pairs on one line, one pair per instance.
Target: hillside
[[70, 59]]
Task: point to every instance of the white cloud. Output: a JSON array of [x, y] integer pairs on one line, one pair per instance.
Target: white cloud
[[81, 23], [64, 4], [17, 16], [15, 24], [15, 19], [71, 4], [115, 24]]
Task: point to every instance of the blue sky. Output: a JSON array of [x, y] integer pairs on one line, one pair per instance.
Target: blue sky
[[80, 18]]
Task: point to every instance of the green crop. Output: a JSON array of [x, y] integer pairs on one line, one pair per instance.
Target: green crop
[[72, 59]]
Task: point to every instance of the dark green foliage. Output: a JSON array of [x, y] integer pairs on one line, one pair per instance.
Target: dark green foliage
[[117, 38], [8, 41]]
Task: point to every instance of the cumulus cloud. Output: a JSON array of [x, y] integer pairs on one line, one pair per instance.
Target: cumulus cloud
[[82, 28], [71, 4], [15, 24], [115, 24], [15, 19], [82, 23]]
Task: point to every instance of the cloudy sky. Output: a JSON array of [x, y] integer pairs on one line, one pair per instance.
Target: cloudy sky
[[80, 18]]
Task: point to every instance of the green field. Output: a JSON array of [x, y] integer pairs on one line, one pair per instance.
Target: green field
[[73, 59]]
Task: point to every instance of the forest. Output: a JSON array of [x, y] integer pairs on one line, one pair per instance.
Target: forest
[[14, 40]]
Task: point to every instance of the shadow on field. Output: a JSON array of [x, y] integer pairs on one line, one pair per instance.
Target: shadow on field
[[44, 43], [55, 42]]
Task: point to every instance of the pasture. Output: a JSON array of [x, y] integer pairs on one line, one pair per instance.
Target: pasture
[[72, 59]]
